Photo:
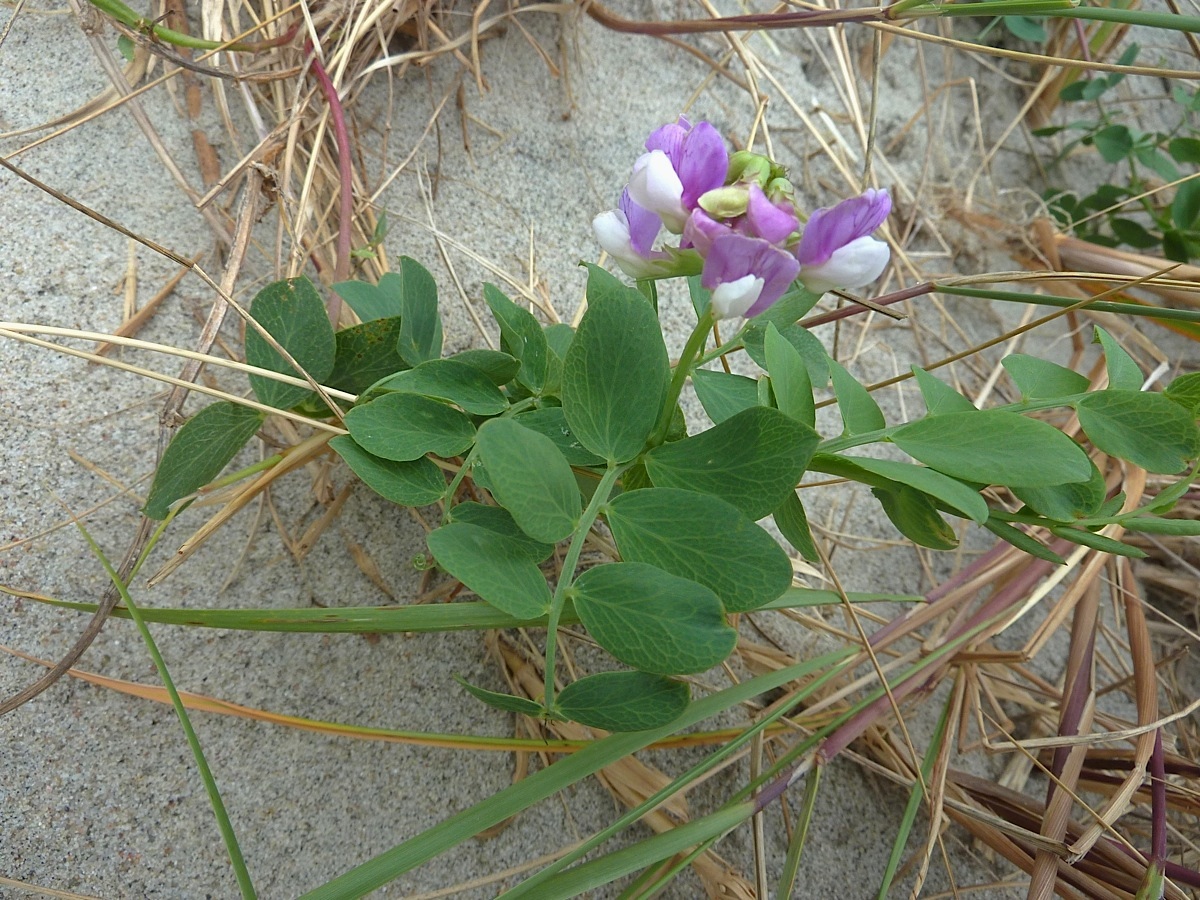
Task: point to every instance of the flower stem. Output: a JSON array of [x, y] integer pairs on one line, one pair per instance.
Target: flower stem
[[687, 361], [568, 571]]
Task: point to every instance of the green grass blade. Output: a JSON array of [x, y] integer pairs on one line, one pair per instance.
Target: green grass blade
[[1124, 309], [914, 802], [210, 783], [546, 782], [644, 853], [415, 619], [791, 862]]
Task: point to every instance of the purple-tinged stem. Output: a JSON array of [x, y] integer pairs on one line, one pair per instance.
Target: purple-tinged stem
[[855, 309], [1158, 802], [341, 135]]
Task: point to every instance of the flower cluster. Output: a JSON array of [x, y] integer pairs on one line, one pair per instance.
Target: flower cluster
[[737, 223]]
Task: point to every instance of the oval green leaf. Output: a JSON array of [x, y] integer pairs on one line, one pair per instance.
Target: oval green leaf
[[293, 314], [993, 446], [723, 395], [958, 496], [1039, 379], [198, 452], [1149, 430], [420, 325], [860, 412], [551, 422], [704, 539], [452, 381], [615, 375], [505, 702], [365, 354], [916, 517], [495, 567], [500, 520], [415, 483], [521, 336], [1066, 502], [530, 478], [751, 460], [652, 620], [789, 378], [404, 427], [623, 701], [499, 367]]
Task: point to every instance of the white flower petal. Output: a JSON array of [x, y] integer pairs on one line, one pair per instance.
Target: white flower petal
[[612, 234], [853, 266], [733, 298], [655, 186]]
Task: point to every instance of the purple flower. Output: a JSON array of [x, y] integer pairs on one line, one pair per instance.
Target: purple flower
[[746, 274], [836, 249], [681, 163], [767, 220], [628, 234]]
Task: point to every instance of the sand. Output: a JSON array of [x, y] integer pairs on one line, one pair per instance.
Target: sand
[[98, 792]]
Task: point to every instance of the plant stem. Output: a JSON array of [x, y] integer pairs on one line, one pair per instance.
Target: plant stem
[[687, 360], [567, 573], [142, 25], [341, 135], [210, 784]]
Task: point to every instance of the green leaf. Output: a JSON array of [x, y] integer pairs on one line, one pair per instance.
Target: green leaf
[[1114, 143], [499, 520], [616, 371], [1123, 372], [495, 567], [992, 446], [860, 412], [415, 483], [792, 522], [703, 539], [452, 381], [1132, 233], [1184, 150], [810, 347], [1157, 525], [1185, 390], [788, 309], [500, 368], [953, 493], [1022, 541], [789, 378], [1175, 246], [551, 422], [1096, 541], [652, 620], [940, 398], [198, 452], [915, 516], [623, 701], [365, 354], [368, 301], [1066, 502], [530, 478], [752, 460], [1147, 429], [420, 324], [1185, 208], [126, 47], [1038, 379], [292, 313], [505, 702], [723, 395], [558, 338], [405, 427], [1026, 29], [521, 336]]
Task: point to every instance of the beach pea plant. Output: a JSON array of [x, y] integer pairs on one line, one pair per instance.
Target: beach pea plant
[[565, 434]]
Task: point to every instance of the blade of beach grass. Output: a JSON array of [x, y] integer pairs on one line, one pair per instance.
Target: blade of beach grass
[[242, 874]]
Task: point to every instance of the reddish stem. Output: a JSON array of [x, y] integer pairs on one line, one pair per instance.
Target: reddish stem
[[341, 135]]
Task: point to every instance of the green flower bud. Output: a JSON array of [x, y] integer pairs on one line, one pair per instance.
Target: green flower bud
[[726, 202]]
